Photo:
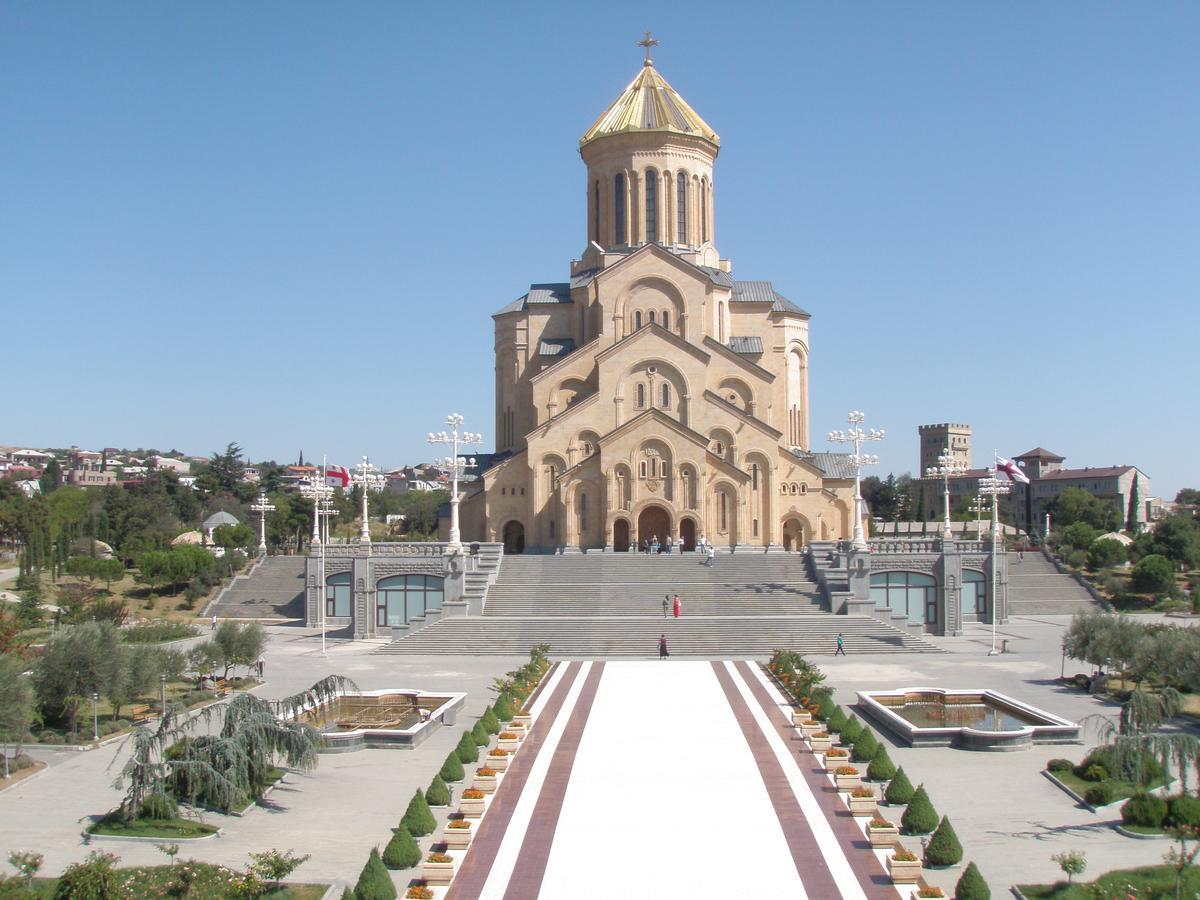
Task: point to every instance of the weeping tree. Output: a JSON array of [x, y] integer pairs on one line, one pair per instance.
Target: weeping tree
[[230, 762], [1135, 735]]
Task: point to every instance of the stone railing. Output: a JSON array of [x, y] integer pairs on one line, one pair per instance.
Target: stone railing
[[910, 545]]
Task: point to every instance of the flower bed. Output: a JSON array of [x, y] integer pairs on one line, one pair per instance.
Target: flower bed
[[903, 867]]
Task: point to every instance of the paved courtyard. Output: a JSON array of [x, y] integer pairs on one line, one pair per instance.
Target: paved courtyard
[[667, 780]]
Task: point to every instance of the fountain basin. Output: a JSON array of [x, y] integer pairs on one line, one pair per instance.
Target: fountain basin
[[968, 719], [391, 718]]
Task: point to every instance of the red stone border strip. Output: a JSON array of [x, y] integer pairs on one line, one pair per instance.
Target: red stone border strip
[[530, 869], [810, 862], [477, 864], [871, 876]]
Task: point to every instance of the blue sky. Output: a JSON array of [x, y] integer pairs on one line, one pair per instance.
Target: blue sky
[[217, 216]]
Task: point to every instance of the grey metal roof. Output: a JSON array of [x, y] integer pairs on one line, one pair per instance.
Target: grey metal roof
[[583, 279], [764, 292], [219, 518], [556, 346], [550, 292], [832, 465], [717, 276], [746, 344]]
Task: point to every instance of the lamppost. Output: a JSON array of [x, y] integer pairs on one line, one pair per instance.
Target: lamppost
[[455, 464], [317, 489], [262, 506], [978, 506], [163, 681], [948, 466], [855, 435], [370, 479], [994, 487], [95, 718]]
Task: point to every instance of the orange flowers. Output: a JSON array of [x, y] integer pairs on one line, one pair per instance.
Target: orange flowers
[[845, 770], [439, 858], [472, 794], [904, 856], [880, 822], [459, 824], [485, 773]]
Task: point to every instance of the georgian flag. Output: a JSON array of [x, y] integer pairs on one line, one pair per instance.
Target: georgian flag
[[1011, 469], [337, 476]]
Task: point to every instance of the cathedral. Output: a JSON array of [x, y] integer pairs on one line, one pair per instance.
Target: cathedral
[[654, 396]]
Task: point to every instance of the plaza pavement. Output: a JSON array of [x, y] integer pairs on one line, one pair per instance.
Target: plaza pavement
[[1009, 817]]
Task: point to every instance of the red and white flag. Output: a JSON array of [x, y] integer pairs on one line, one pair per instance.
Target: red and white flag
[[1011, 469], [337, 476]]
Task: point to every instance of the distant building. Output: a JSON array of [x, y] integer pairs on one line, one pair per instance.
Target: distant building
[[170, 463], [1048, 478], [91, 477], [936, 439]]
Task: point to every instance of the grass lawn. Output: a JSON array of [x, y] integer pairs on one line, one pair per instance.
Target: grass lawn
[[1121, 790], [157, 828], [273, 777], [1152, 881]]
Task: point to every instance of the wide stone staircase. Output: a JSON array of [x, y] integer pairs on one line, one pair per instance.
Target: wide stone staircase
[[610, 604], [1037, 588], [272, 589]]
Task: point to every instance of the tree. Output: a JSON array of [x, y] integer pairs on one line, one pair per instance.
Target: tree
[[943, 848], [899, 790], [374, 882], [273, 866], [1072, 862], [1105, 554], [881, 768], [401, 851], [236, 645], [16, 704], [452, 768], [77, 662], [1074, 504], [920, 817], [468, 751], [972, 886], [51, 477], [1153, 574], [1177, 537], [1131, 519], [418, 818], [1188, 497], [239, 536], [223, 472], [437, 794], [1079, 535]]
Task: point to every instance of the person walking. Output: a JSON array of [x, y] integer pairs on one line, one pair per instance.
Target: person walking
[[700, 543], [840, 646], [670, 544], [678, 607], [662, 647], [666, 603], [214, 623], [710, 555]]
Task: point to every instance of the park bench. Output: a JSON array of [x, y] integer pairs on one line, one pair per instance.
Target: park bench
[[140, 713]]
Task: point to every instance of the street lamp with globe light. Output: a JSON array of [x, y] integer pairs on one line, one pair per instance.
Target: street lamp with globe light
[[456, 465], [855, 435]]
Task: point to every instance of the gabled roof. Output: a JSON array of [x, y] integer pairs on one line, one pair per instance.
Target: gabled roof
[[659, 417], [747, 364], [547, 293], [741, 415], [832, 465], [556, 346], [1040, 453], [653, 329], [1106, 472], [748, 344], [764, 292], [649, 104]]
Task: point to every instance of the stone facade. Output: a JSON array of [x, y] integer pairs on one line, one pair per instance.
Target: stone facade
[[653, 395]]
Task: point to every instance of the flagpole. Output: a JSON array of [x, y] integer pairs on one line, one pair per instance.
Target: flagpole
[[324, 540], [993, 487]]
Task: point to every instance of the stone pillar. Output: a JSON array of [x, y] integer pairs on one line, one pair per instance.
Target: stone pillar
[[950, 612], [362, 581], [312, 599], [454, 579]]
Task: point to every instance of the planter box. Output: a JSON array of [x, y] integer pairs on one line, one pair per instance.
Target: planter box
[[510, 746], [499, 763], [819, 745], [471, 809], [883, 837], [904, 872], [848, 782], [457, 838], [811, 728], [523, 719], [517, 728], [862, 806], [437, 873], [486, 783], [801, 717], [831, 763]]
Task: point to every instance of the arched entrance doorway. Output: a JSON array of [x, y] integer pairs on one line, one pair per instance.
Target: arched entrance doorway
[[793, 534], [687, 534], [621, 536], [514, 537], [654, 522]]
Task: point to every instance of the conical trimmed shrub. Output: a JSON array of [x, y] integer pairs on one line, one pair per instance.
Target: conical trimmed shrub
[[920, 817], [480, 735], [417, 818], [943, 848], [503, 708], [851, 730], [490, 722], [468, 750], [452, 768], [402, 851], [865, 747], [437, 794], [374, 882], [347, 894], [826, 708], [836, 721], [899, 790], [972, 886], [881, 768]]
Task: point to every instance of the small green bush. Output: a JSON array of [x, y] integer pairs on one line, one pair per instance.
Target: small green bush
[[1098, 794], [943, 848], [1137, 768], [503, 708], [1096, 772], [865, 747], [836, 721], [1183, 811], [881, 768], [158, 806], [1146, 810], [899, 790], [920, 817], [374, 882], [1060, 765], [851, 730], [93, 879], [480, 735], [490, 722], [972, 886], [417, 818], [826, 708], [452, 768], [437, 794], [402, 851], [468, 750]]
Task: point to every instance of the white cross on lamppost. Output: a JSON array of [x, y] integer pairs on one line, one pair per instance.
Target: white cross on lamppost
[[948, 467], [369, 479], [318, 490], [993, 487], [262, 506], [855, 435], [456, 465]]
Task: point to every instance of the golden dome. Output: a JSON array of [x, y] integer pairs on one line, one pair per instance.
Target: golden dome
[[649, 104]]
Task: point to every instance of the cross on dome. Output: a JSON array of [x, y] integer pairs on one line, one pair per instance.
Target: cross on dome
[[647, 42]]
